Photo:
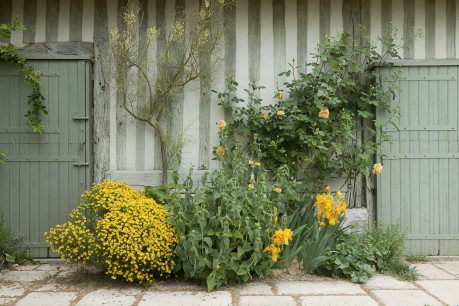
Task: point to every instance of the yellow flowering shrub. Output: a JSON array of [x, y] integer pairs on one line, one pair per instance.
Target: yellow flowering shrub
[[119, 230]]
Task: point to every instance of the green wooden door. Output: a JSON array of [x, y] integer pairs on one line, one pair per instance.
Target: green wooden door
[[420, 182], [44, 175]]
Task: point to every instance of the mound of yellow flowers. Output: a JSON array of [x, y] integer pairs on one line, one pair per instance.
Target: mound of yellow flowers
[[330, 210], [119, 230]]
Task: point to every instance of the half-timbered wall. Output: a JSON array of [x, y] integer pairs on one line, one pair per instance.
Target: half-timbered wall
[[262, 37]]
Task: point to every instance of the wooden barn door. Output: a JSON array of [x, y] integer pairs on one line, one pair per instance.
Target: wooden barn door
[[43, 176], [420, 182]]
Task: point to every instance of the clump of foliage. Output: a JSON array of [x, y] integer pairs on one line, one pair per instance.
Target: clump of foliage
[[29, 73], [120, 231], [360, 255], [323, 121], [12, 246], [228, 226], [316, 226]]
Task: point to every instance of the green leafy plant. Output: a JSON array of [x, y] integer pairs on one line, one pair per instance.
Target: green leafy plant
[[360, 255], [416, 258], [30, 74], [12, 246], [322, 123], [228, 226]]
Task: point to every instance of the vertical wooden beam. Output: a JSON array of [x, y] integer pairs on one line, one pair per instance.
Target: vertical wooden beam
[[351, 19], [76, 19], [121, 132], [142, 94], [176, 106], [430, 29], [408, 24], [254, 40], [386, 18], [451, 28], [365, 16], [52, 20], [229, 24], [5, 13], [101, 92], [279, 39], [302, 28], [324, 27], [161, 42], [204, 112], [30, 20]]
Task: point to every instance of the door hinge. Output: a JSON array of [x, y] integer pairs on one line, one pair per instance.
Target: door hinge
[[81, 164], [80, 118]]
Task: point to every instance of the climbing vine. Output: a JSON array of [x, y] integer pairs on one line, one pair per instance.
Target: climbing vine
[[30, 74]]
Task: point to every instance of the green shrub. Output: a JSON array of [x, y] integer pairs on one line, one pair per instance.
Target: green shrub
[[360, 255], [120, 231], [228, 229], [12, 246]]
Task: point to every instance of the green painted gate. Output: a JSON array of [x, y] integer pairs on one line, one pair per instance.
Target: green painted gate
[[420, 182], [44, 175]]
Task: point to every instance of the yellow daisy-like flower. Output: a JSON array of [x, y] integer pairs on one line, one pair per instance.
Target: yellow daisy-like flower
[[251, 187], [250, 162], [280, 95], [280, 113], [277, 190], [221, 124], [257, 164], [265, 116], [338, 194], [220, 151]]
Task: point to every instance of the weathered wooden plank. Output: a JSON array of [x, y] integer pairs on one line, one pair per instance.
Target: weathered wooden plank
[[440, 29], [204, 113], [17, 10], [408, 25], [254, 40], [30, 19], [101, 92], [313, 34], [161, 42], [365, 15], [324, 12], [52, 20], [291, 33], [451, 28], [302, 30], [121, 122], [139, 125], [5, 144], [268, 74], [279, 39], [76, 20], [351, 19], [229, 24], [87, 25], [430, 28], [386, 18]]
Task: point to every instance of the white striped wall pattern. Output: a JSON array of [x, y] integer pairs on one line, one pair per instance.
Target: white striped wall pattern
[[261, 38]]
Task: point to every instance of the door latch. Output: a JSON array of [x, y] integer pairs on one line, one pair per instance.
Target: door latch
[[81, 164]]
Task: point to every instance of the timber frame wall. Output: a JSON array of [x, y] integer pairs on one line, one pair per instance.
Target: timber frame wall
[[261, 38]]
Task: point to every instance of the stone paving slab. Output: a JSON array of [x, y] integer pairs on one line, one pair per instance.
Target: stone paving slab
[[218, 298], [256, 300], [6, 301], [405, 298], [429, 271], [451, 267], [255, 288], [108, 297], [47, 299], [338, 301], [11, 290], [446, 290], [387, 282], [25, 276], [318, 288]]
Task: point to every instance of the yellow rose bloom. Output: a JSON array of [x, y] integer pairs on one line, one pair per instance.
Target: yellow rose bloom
[[280, 113], [221, 124], [265, 116], [220, 151], [280, 95], [377, 168], [324, 114]]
